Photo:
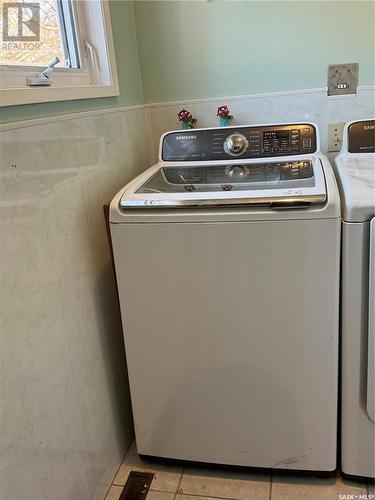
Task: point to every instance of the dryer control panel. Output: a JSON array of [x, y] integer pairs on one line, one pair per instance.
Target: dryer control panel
[[243, 142], [361, 137]]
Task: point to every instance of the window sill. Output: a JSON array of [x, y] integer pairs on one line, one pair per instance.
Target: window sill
[[30, 95]]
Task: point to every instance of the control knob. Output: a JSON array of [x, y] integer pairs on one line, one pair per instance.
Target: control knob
[[236, 144], [237, 171]]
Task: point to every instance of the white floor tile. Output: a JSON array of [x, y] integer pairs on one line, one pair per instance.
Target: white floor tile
[[195, 497], [224, 484], [160, 495], [312, 488], [114, 493], [166, 477]]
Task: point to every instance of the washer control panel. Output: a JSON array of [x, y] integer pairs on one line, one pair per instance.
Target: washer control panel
[[239, 142]]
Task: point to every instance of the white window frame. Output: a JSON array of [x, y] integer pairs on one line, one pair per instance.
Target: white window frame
[[97, 76]]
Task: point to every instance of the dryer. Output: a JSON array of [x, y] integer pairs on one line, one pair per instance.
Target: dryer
[[227, 260], [355, 169]]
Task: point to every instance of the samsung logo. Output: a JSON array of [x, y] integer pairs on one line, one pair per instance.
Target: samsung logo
[[182, 137], [369, 127]]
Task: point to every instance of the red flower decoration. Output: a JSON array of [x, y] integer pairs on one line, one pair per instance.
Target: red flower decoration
[[223, 112], [185, 116]]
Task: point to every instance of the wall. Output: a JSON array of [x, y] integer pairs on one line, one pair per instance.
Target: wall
[[224, 49], [199, 49], [65, 417], [124, 36]]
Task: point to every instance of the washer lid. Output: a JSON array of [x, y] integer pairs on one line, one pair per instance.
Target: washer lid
[[356, 175], [286, 183]]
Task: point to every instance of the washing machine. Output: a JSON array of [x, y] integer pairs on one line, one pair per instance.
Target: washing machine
[[355, 169], [227, 257]]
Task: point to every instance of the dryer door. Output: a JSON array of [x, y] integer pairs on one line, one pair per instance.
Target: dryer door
[[371, 327]]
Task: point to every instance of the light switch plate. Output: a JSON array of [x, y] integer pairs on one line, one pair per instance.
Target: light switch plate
[[335, 133], [342, 79]]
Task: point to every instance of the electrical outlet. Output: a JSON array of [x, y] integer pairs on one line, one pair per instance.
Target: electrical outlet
[[342, 79], [335, 133]]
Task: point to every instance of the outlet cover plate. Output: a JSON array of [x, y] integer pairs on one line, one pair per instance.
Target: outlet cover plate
[[342, 79], [335, 134]]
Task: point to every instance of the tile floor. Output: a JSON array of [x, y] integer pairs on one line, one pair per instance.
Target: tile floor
[[199, 483]]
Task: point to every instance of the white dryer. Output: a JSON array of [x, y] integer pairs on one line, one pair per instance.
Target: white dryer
[[227, 259], [355, 168]]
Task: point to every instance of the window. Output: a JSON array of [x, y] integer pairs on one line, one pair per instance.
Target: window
[[76, 32]]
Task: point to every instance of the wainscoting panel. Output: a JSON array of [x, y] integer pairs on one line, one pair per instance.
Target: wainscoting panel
[[66, 420]]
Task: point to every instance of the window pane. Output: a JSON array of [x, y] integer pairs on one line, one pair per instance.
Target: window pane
[[35, 32]]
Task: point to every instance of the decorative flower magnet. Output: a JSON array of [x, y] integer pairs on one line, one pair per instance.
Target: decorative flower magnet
[[186, 119], [224, 114]]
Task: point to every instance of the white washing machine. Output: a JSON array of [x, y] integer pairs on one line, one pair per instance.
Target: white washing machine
[[355, 168], [227, 257]]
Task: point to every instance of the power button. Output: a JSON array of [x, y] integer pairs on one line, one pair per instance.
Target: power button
[[306, 143]]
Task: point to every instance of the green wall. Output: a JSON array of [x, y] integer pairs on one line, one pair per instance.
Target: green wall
[[195, 49], [123, 28]]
